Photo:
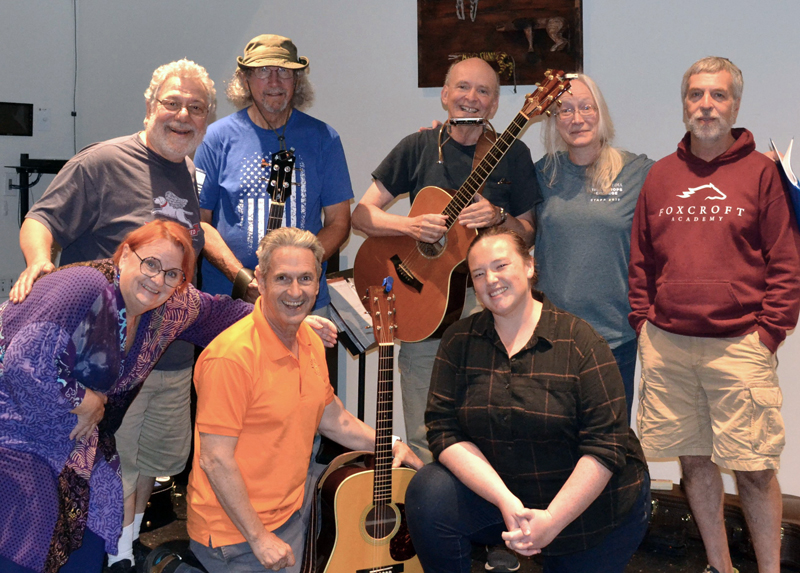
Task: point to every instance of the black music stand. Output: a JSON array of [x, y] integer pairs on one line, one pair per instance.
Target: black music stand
[[24, 169], [354, 345]]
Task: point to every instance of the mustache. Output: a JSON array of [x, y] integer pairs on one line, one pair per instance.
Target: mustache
[[705, 115], [178, 125]]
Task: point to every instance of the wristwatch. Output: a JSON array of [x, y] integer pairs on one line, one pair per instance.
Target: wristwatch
[[503, 215]]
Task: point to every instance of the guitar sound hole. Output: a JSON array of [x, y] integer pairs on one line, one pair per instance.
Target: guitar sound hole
[[432, 250], [381, 521]]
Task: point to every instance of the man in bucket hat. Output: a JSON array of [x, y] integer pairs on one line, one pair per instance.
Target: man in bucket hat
[[234, 160]]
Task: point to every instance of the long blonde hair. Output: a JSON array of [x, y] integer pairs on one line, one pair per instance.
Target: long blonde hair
[[600, 175]]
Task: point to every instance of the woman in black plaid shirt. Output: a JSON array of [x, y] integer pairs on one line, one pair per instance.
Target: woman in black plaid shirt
[[527, 419]]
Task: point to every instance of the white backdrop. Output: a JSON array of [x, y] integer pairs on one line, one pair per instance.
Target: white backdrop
[[363, 65]]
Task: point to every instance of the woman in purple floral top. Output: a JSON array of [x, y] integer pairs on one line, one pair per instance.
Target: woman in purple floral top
[[73, 356]]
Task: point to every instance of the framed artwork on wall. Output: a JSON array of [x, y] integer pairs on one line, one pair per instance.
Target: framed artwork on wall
[[519, 38]]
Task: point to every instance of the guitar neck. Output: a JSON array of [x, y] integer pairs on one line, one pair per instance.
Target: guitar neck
[[480, 174], [275, 218], [382, 492]]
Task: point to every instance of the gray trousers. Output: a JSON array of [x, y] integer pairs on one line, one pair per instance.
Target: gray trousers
[[415, 363]]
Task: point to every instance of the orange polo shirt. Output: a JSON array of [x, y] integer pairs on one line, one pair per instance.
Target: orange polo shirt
[[251, 387]]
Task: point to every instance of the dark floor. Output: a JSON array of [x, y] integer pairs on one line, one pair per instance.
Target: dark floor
[[693, 561]]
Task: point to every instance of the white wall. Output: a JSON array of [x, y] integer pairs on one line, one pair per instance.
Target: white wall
[[363, 66]]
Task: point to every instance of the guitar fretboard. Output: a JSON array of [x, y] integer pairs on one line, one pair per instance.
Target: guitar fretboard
[[480, 174], [382, 492], [275, 218]]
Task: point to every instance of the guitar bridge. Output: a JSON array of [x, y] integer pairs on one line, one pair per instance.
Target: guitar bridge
[[405, 275], [396, 568]]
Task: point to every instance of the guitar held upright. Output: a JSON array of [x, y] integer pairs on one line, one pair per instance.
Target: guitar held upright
[[367, 532]]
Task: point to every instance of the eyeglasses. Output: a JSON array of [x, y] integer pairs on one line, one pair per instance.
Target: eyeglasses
[[265, 72], [173, 106], [151, 267], [585, 110]]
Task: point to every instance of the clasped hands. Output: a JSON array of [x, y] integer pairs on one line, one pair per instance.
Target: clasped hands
[[528, 530]]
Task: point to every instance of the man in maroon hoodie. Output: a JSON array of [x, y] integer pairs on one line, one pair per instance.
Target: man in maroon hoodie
[[714, 286]]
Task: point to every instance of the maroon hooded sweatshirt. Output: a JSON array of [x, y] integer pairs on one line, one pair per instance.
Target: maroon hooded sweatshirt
[[715, 251]]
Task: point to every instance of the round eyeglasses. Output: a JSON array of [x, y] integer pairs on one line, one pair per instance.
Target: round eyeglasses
[[265, 72], [174, 106], [151, 267], [585, 110]]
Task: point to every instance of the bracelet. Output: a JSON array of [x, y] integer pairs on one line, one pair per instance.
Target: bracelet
[[243, 279]]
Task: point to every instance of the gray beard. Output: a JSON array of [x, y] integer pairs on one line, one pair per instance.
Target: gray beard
[[708, 132]]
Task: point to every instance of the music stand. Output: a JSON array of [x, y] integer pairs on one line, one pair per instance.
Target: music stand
[[354, 325]]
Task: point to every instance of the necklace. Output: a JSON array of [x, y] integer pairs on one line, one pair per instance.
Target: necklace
[[282, 135]]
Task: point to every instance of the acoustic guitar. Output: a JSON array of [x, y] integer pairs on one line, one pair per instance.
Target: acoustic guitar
[[281, 166], [371, 534], [430, 281], [279, 187]]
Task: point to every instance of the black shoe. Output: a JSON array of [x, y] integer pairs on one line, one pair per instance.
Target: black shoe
[[501, 560], [121, 566], [140, 553]]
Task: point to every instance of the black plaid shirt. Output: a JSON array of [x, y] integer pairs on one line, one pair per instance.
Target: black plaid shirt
[[534, 415]]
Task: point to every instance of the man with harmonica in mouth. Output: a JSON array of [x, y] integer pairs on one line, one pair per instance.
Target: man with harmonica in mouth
[[444, 158]]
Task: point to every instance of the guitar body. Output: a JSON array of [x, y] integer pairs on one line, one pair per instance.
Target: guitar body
[[361, 542], [435, 299]]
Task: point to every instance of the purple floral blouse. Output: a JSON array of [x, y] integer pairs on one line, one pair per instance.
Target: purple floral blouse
[[68, 335]]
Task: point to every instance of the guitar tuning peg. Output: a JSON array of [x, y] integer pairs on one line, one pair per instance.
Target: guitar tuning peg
[[548, 113], [559, 102]]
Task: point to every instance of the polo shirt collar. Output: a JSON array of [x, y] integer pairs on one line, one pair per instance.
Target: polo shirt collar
[[274, 347]]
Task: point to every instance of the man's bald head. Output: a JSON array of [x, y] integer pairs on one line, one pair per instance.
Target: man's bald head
[[471, 89]]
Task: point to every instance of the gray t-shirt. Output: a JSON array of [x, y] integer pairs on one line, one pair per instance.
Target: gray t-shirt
[[583, 243], [111, 188]]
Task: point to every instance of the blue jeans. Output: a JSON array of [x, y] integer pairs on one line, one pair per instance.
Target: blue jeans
[[445, 517], [625, 355]]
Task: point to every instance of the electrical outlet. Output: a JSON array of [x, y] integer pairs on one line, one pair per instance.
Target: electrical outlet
[[41, 119], [5, 286]]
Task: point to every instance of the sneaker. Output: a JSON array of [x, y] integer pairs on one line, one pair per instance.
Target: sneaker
[[501, 560], [710, 569]]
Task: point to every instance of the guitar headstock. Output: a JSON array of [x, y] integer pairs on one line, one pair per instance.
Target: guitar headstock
[[381, 307], [280, 176], [546, 94]]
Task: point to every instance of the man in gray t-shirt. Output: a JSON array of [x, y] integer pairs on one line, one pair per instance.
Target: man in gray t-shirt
[[102, 194]]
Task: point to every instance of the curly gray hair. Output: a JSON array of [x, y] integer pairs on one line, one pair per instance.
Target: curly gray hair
[[182, 68]]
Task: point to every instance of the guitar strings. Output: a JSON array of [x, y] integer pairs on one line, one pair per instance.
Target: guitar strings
[[544, 100], [466, 193]]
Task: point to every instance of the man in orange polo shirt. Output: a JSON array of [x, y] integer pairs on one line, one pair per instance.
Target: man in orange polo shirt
[[262, 393]]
